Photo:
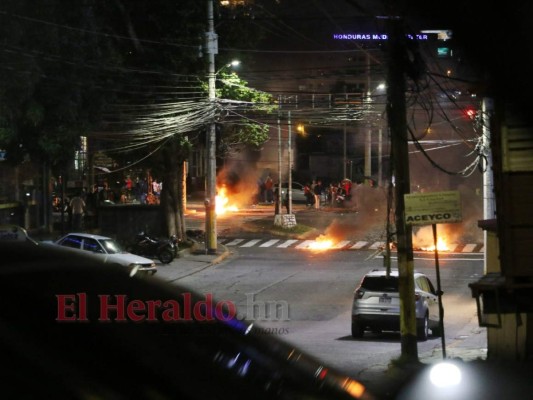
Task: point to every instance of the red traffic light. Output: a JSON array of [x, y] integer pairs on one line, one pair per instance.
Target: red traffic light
[[470, 112]]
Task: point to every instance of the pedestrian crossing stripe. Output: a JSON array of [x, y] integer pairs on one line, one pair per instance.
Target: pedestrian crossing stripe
[[469, 248], [251, 243], [287, 243], [235, 242], [452, 248], [305, 244], [270, 243], [341, 245]]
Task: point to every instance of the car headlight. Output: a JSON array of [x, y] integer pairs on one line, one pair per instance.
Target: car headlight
[[134, 268]]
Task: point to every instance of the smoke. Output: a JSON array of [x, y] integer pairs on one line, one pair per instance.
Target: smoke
[[240, 178], [365, 216], [370, 220]]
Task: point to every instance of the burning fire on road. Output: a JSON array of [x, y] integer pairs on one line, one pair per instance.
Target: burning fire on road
[[334, 233], [321, 243], [441, 246], [423, 240], [222, 202]]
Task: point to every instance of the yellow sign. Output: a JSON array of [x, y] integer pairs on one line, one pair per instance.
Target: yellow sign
[[433, 208]]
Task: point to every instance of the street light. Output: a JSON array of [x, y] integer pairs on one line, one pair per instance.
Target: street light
[[234, 63]]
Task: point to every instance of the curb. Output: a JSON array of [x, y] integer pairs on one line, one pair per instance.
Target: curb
[[198, 249], [225, 254]]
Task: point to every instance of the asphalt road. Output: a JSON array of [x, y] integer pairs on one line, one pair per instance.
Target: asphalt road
[[305, 297]]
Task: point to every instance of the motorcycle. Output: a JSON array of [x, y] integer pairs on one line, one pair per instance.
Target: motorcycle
[[165, 250]]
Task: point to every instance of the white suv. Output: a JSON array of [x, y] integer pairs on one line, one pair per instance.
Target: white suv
[[376, 304]]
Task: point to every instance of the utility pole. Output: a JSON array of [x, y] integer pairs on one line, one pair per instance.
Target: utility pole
[[211, 170], [489, 200], [368, 135], [380, 156], [344, 153], [279, 196], [289, 150], [396, 112]]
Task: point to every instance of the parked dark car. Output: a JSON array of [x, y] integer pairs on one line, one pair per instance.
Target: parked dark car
[[74, 328]]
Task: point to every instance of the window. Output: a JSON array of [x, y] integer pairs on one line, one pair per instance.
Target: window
[[380, 284], [111, 246], [73, 242], [92, 245]]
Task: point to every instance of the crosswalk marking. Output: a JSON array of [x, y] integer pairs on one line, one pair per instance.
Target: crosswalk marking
[[251, 243], [235, 242], [287, 243], [469, 248], [343, 244], [452, 247], [305, 244], [270, 243]]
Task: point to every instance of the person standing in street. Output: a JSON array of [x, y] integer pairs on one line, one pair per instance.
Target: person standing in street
[[317, 192], [77, 205], [269, 189]]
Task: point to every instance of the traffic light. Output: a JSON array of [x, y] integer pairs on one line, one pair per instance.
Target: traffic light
[[470, 112]]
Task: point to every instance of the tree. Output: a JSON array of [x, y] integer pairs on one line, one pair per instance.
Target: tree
[[127, 74], [47, 96], [238, 100]]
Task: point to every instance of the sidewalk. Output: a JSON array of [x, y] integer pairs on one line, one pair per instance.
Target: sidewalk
[[190, 261]]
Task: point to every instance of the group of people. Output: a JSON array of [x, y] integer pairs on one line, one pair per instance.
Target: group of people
[[82, 206], [265, 190], [316, 193], [141, 191], [335, 193]]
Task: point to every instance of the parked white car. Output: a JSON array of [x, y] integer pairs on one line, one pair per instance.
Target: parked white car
[[107, 250], [376, 304]]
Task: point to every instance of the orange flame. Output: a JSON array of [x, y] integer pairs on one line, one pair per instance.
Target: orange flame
[[424, 240], [441, 246], [321, 243], [221, 202]]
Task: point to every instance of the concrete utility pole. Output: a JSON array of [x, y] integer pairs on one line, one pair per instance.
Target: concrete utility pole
[[368, 135], [211, 169], [396, 112], [489, 200], [289, 150], [344, 153], [279, 196]]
